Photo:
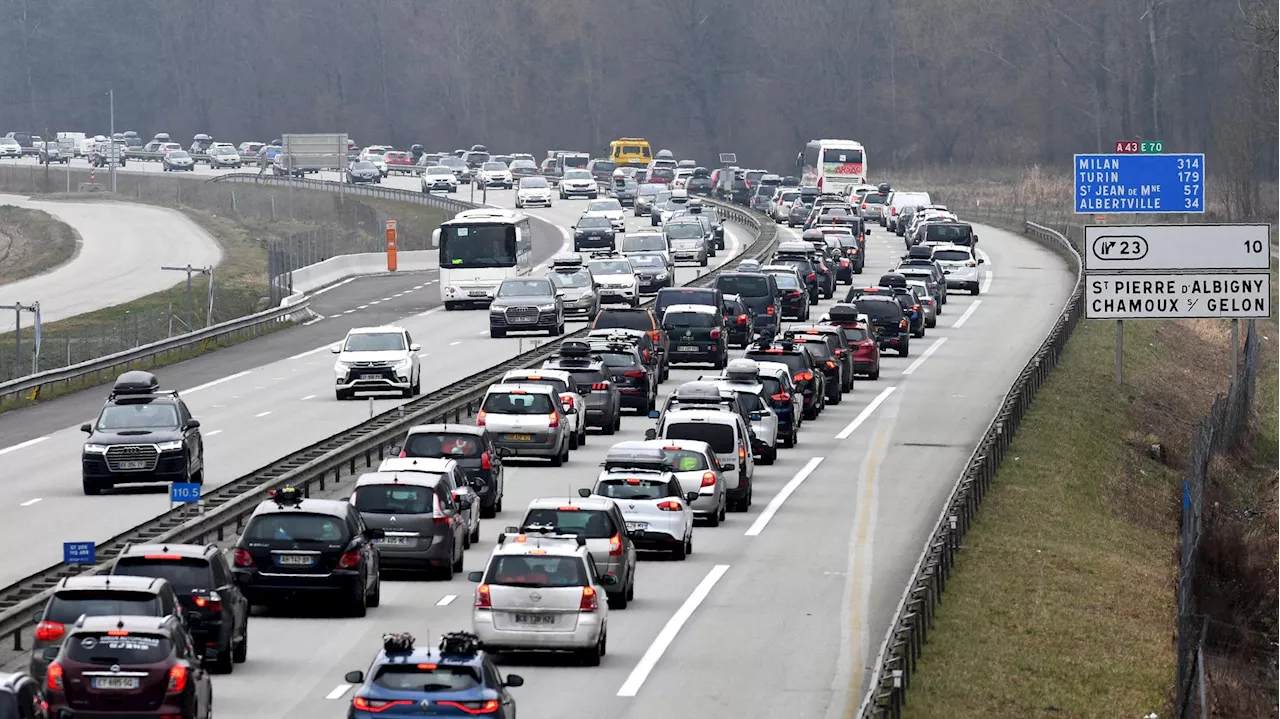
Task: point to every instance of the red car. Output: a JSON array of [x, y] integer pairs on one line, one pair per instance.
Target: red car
[[861, 340], [398, 161]]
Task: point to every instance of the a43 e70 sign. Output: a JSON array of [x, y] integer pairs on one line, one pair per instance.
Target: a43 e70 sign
[[1139, 183]]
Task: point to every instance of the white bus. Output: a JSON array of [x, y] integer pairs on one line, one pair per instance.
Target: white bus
[[830, 164], [478, 250]]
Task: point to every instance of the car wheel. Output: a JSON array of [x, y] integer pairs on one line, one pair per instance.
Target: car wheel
[[342, 394], [974, 289], [769, 455], [875, 374], [223, 664], [466, 541], [704, 261], [416, 389], [496, 333], [376, 598], [713, 519], [573, 441], [359, 604], [905, 350], [591, 657], [456, 567], [681, 552], [618, 601]]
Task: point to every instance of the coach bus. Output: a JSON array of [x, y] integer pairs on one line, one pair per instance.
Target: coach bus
[[478, 250], [827, 164]]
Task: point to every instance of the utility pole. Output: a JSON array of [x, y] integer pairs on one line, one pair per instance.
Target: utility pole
[[18, 309], [190, 298], [116, 152]]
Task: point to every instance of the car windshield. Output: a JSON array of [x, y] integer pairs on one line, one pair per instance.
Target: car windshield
[[648, 261], [129, 648], [370, 167], [179, 155], [525, 288], [684, 231], [518, 402], [596, 222], [436, 170], [719, 436], [603, 166], [65, 607], [952, 255], [571, 279], [394, 499], [604, 206], [138, 416], [632, 488], [649, 190], [426, 678], [609, 320], [498, 166], [530, 183], [744, 285], [536, 571], [452, 162], [854, 334], [576, 174], [224, 151], [184, 573], [633, 243], [296, 527], [689, 319], [374, 342], [375, 152], [443, 444], [610, 267]]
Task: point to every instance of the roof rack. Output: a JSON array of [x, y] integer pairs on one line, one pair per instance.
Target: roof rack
[[539, 533], [459, 643], [398, 643], [288, 496], [137, 383], [575, 348]]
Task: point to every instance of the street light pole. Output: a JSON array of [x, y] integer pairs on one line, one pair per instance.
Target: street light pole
[[190, 298], [116, 151]]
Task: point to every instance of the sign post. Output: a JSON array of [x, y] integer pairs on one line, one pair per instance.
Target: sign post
[[391, 245]]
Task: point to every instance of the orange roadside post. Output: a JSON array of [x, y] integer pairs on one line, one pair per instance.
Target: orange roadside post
[[391, 245]]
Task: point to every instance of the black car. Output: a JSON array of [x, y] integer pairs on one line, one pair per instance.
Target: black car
[[526, 303], [710, 296], [910, 302], [293, 547], [792, 294], [20, 697], [654, 271], [741, 327], [474, 451], [363, 171], [757, 290], [740, 194], [653, 358], [699, 184], [593, 232], [216, 610], [809, 380], [636, 381], [889, 323], [698, 334], [828, 354], [142, 435], [804, 258], [595, 384]]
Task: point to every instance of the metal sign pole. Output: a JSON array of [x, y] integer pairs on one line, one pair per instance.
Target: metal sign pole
[[115, 154], [1119, 351], [1235, 350]]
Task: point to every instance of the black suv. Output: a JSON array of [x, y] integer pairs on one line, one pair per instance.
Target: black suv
[[806, 265], [593, 232], [142, 435], [699, 333], [474, 451], [889, 323], [741, 327], [809, 380], [297, 546], [758, 291], [216, 611], [595, 384], [709, 296], [20, 697], [636, 382], [826, 352]]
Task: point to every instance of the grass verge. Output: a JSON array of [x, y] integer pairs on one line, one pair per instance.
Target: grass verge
[[32, 242]]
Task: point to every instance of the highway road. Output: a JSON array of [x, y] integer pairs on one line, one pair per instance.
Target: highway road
[[778, 612], [122, 248]]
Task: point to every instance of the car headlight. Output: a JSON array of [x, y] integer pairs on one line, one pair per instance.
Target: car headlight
[[404, 363], [95, 448], [547, 307], [340, 366], [169, 446], [660, 276]]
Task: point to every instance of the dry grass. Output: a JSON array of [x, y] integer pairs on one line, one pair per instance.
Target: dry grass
[[32, 242]]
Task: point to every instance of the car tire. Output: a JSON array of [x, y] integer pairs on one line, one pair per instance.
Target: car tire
[[704, 262], [591, 657], [681, 551], [905, 350], [359, 605], [223, 664], [875, 375], [769, 455], [240, 651], [497, 506], [974, 289], [342, 394], [466, 541], [496, 333], [617, 601], [376, 598], [456, 567], [931, 324]]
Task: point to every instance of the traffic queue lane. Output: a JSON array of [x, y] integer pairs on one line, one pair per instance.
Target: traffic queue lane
[[784, 606], [249, 418]]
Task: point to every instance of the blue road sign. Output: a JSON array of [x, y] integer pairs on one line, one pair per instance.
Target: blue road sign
[[79, 553], [1139, 184], [184, 493]]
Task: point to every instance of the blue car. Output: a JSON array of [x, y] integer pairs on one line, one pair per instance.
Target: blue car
[[458, 680]]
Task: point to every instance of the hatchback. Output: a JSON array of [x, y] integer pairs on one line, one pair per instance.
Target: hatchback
[[526, 419], [655, 507], [424, 523], [599, 522]]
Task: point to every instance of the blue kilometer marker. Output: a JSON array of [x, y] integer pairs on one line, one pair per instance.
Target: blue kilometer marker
[[183, 493], [79, 553], [1139, 184]]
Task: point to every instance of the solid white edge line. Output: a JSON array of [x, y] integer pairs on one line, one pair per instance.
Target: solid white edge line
[[924, 356], [967, 314], [308, 323], [323, 290], [308, 353], [668, 634], [338, 691], [776, 503], [866, 412], [22, 445], [986, 281], [207, 385], [30, 502], [446, 600]]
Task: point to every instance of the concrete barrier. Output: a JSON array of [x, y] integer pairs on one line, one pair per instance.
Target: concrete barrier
[[335, 269]]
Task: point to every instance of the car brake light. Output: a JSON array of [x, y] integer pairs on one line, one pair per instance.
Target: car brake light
[[903, 324], [633, 373], [177, 679], [831, 365], [646, 355], [349, 560], [378, 705], [670, 506], [780, 397], [742, 455], [600, 386], [864, 205], [742, 319], [804, 377], [212, 603], [840, 353], [553, 419], [794, 293], [915, 307], [480, 417], [487, 706], [970, 264], [48, 631], [811, 276], [404, 453], [844, 263], [243, 558], [567, 401], [53, 677], [615, 545], [893, 210], [715, 334], [483, 599], [486, 461], [590, 602], [708, 479]]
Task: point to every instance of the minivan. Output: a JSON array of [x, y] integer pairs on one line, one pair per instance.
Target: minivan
[[419, 516], [730, 439]]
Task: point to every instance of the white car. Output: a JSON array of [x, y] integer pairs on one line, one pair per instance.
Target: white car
[[571, 400], [439, 178], [655, 506], [616, 280], [223, 155], [578, 183], [610, 207], [533, 191], [960, 266], [167, 147], [692, 461], [377, 359], [10, 148], [494, 174]]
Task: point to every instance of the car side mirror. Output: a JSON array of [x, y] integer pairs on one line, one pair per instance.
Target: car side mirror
[[981, 261], [728, 467], [559, 293], [755, 416], [691, 497], [609, 580], [374, 533], [513, 680], [651, 433], [191, 618], [356, 677], [336, 349], [475, 576], [653, 414], [505, 452], [37, 615], [584, 492], [395, 451], [975, 238], [87, 428], [511, 530], [415, 347], [193, 424]]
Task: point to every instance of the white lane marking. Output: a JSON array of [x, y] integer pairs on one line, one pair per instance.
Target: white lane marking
[[967, 313], [338, 691], [668, 634], [446, 600], [30, 502], [455, 343], [431, 311], [207, 385], [361, 307], [418, 287], [21, 445], [326, 289], [310, 396], [866, 412], [986, 282], [348, 312], [483, 333], [377, 302], [926, 355], [986, 260], [308, 323], [317, 350], [776, 503], [262, 414], [210, 434]]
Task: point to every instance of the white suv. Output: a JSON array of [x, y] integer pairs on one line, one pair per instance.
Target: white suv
[[657, 510], [533, 191], [494, 174], [960, 266], [377, 359]]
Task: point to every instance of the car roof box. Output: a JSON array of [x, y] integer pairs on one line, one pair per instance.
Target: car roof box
[[843, 313], [742, 370], [575, 348], [136, 382]]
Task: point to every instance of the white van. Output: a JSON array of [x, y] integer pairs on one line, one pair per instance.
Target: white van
[[730, 439]]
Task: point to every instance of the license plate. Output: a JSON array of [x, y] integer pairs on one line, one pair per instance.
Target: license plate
[[115, 682], [518, 437], [370, 376], [523, 320], [477, 293], [295, 560], [687, 348], [633, 526], [535, 619], [401, 541], [133, 464]]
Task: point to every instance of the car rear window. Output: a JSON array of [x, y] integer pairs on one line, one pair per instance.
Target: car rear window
[[719, 436], [795, 362], [443, 444], [426, 678], [130, 648], [873, 198], [744, 285], [587, 523], [609, 320], [955, 234], [184, 573], [296, 527], [854, 334], [688, 319], [818, 347], [683, 296], [772, 385], [517, 403], [786, 282], [584, 378], [881, 310], [555, 384], [65, 607], [619, 359], [536, 571], [394, 499], [683, 460], [952, 255], [632, 488]]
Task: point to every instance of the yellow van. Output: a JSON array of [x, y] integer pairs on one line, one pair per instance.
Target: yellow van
[[630, 151]]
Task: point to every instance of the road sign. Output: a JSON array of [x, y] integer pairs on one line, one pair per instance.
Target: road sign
[[1139, 184], [79, 553], [1177, 247], [184, 492], [1134, 147], [316, 151], [1156, 295]]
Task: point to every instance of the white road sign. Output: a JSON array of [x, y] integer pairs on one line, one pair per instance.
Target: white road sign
[[1177, 247], [1156, 295]]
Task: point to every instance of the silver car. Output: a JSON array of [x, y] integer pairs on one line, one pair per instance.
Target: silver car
[[528, 420], [599, 522], [579, 288], [541, 592], [458, 485], [424, 528], [928, 302], [687, 241], [693, 462]]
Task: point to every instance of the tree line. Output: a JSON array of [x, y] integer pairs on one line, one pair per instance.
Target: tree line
[[920, 82]]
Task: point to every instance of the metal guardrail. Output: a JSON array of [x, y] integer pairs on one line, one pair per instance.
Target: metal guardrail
[[224, 510], [360, 190], [249, 324], [913, 618]]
